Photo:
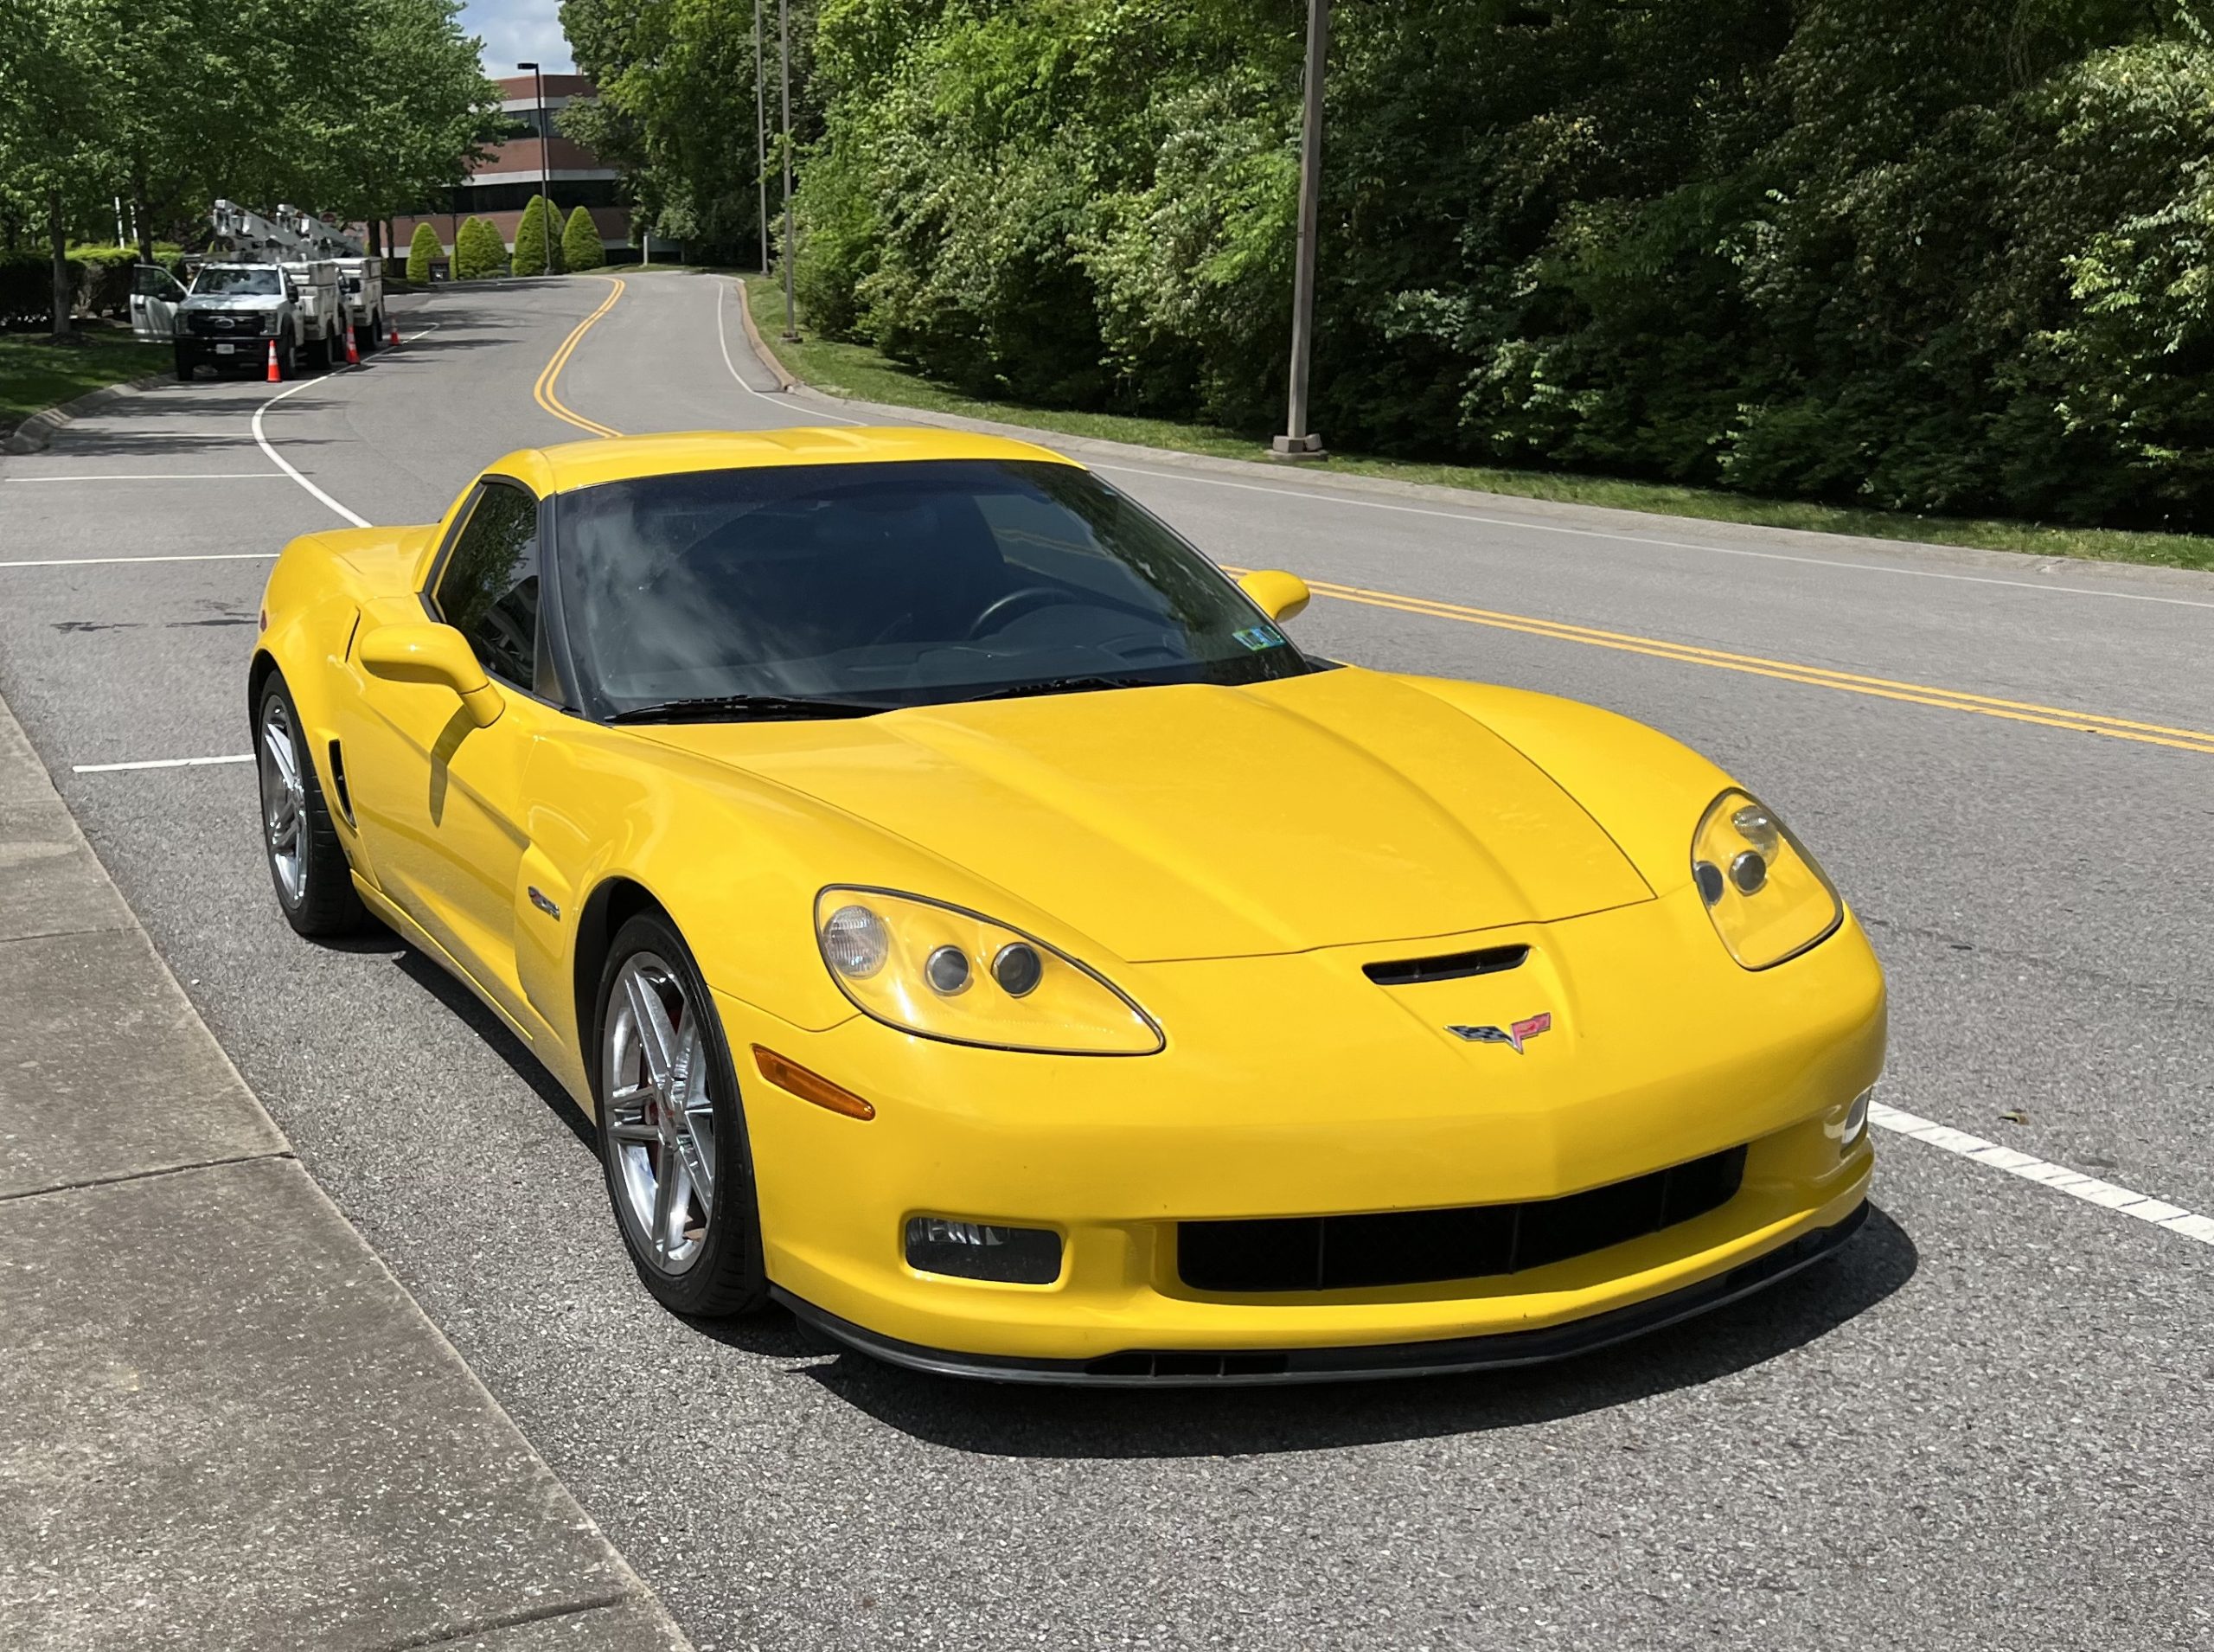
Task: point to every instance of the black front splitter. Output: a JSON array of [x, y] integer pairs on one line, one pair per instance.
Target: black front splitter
[[1206, 1368]]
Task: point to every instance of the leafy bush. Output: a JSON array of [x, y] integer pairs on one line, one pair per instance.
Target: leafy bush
[[532, 240], [1938, 255], [478, 251], [26, 287], [422, 247], [580, 248]]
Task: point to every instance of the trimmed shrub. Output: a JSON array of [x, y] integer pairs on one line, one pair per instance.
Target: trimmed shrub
[[103, 278], [26, 287], [580, 248], [532, 240], [479, 252], [421, 249]]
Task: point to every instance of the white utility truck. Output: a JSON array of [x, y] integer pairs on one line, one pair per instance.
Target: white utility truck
[[261, 288], [360, 276]]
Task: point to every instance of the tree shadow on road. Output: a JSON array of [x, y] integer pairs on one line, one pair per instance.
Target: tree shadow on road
[[1002, 1420]]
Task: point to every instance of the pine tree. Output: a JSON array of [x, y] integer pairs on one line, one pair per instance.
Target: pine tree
[[421, 249], [479, 252], [580, 248], [532, 240]]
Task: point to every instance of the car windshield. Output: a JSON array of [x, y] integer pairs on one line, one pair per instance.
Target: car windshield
[[215, 280], [885, 585]]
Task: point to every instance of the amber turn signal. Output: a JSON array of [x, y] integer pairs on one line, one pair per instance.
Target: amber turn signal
[[811, 1086]]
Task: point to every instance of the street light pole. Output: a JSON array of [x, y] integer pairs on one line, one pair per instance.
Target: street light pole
[[784, 51], [761, 134], [1298, 442], [544, 164]]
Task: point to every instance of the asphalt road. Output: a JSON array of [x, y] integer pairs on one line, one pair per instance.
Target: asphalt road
[[1990, 1424]]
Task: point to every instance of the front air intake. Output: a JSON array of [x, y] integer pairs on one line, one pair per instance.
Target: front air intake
[[1413, 1247]]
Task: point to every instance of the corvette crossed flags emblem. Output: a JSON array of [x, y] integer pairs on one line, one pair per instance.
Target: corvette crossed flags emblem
[[1513, 1036]]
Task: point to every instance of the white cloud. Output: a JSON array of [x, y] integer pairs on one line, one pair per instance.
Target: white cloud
[[516, 31]]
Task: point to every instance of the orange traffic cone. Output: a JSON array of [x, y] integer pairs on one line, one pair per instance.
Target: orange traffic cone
[[273, 379], [395, 331], [352, 350]]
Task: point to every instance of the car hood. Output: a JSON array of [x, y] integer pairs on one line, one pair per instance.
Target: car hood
[[234, 301], [1196, 821]]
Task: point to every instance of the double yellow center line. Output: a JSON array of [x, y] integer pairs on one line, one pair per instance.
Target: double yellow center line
[[542, 392], [1919, 694]]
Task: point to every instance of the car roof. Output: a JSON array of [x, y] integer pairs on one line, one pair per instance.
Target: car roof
[[583, 465]]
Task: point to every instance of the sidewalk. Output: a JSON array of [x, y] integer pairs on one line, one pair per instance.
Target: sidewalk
[[223, 1424]]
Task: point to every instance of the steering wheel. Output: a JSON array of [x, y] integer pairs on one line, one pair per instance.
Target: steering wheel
[[1002, 610]]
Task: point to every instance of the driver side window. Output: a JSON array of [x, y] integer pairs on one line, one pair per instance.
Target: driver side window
[[489, 591]]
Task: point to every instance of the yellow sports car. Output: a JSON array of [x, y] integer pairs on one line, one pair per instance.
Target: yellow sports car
[[974, 924]]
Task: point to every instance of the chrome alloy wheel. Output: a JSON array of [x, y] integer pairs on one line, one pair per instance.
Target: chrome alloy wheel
[[658, 1116], [284, 802]]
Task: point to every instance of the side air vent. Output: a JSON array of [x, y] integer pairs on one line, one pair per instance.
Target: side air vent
[[338, 783], [1454, 966]]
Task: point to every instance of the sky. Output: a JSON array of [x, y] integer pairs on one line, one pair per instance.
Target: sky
[[516, 31]]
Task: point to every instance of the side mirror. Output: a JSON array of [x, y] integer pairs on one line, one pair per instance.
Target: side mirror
[[1281, 595], [438, 654]]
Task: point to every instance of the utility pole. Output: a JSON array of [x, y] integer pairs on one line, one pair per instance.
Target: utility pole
[[1298, 442], [545, 163], [761, 134], [785, 49]]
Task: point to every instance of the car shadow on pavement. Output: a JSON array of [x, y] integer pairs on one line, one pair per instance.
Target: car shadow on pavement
[[502, 1043], [1008, 1420]]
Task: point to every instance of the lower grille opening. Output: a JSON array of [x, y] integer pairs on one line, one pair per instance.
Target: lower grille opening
[[1414, 1248]]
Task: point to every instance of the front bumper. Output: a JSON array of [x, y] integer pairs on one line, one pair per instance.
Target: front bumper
[[1293, 1087], [1249, 1367]]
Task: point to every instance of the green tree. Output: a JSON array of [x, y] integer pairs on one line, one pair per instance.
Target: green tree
[[478, 251], [580, 248], [1941, 255], [534, 235], [421, 249], [675, 109]]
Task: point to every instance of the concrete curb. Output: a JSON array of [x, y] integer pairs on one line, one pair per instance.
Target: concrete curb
[[761, 353], [1518, 510], [226, 1424], [33, 434]]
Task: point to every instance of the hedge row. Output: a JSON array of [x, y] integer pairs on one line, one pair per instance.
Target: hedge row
[[102, 275]]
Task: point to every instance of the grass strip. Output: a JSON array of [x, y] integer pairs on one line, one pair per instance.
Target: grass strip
[[36, 374], [862, 372]]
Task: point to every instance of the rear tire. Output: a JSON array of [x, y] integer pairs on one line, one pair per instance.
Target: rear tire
[[308, 867], [672, 1134]]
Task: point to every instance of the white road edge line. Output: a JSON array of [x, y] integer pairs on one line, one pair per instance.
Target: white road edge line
[[283, 464], [2090, 1189], [90, 561], [165, 476], [1638, 539], [159, 763], [722, 339]]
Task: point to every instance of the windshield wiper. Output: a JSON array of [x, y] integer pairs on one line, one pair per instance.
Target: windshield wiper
[[1064, 685], [745, 707]]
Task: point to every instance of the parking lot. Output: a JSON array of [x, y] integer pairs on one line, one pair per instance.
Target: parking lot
[[1989, 1424]]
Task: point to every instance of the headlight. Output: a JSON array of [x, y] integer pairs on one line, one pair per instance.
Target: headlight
[[945, 972], [1768, 900]]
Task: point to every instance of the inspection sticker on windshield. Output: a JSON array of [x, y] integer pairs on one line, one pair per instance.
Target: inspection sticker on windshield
[[1258, 637]]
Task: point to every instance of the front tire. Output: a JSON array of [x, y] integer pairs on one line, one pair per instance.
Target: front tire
[[307, 864], [184, 367], [672, 1133]]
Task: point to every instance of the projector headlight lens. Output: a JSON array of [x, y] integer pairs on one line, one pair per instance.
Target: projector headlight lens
[[1768, 900], [948, 973]]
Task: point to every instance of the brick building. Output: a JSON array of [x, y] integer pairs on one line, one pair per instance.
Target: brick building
[[500, 186]]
